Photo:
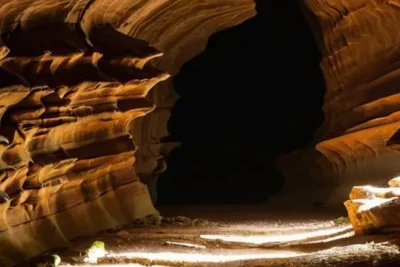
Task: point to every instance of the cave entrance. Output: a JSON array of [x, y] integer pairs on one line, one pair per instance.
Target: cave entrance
[[253, 94]]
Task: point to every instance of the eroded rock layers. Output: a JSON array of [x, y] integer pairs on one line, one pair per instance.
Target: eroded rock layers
[[68, 102], [75, 80], [375, 209], [358, 142], [180, 29]]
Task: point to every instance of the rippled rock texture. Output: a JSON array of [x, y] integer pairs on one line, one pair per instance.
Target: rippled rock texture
[[79, 79], [375, 209], [75, 136], [359, 141]]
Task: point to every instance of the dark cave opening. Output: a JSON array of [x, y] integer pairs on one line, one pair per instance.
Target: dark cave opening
[[253, 94]]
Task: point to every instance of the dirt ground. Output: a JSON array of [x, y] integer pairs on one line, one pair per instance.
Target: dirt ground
[[237, 236]]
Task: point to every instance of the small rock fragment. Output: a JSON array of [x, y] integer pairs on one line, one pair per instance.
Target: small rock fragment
[[341, 221], [181, 220], [166, 220], [395, 182], [200, 222], [123, 234], [151, 220]]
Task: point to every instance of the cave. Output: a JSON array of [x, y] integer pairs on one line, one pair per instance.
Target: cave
[[199, 132], [229, 140]]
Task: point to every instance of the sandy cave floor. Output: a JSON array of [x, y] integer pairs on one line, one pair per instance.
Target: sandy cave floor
[[238, 236]]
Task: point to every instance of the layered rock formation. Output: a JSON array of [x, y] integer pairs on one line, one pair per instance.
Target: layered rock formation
[[375, 209], [75, 80], [358, 142]]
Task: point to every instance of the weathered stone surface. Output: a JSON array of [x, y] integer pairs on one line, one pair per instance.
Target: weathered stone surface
[[67, 154], [358, 142], [374, 209], [370, 192], [75, 81], [395, 182], [180, 29]]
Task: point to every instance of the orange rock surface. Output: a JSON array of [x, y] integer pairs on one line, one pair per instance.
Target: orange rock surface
[[358, 141], [84, 102], [78, 80], [375, 209]]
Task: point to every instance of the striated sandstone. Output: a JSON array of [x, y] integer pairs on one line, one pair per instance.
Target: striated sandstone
[[374, 209], [84, 106], [76, 80], [358, 141], [180, 29]]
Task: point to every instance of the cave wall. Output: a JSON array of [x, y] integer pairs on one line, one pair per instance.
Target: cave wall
[[82, 79], [77, 80], [182, 38], [165, 26], [356, 144]]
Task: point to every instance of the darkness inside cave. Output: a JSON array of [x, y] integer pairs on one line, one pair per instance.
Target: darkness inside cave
[[253, 94]]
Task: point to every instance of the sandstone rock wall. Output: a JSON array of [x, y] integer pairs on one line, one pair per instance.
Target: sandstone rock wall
[[180, 29], [75, 81], [84, 106], [359, 41]]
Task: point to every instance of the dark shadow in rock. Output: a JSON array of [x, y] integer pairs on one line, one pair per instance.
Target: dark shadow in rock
[[255, 93]]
